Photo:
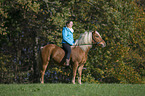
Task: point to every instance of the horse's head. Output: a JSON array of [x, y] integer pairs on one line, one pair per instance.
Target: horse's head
[[97, 39]]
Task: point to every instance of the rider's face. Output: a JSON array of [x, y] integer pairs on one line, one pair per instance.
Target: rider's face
[[70, 25]]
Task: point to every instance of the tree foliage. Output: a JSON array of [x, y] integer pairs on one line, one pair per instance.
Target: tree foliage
[[26, 25]]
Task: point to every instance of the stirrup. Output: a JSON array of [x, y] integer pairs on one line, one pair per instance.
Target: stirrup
[[66, 65]]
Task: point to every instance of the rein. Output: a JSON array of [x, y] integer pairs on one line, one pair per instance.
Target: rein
[[89, 44], [97, 43]]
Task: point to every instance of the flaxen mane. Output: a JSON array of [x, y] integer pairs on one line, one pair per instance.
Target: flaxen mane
[[84, 41]]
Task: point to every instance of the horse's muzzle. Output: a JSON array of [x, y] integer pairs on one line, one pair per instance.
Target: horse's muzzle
[[103, 44]]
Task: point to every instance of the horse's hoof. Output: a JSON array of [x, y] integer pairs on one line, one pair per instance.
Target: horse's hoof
[[73, 82]]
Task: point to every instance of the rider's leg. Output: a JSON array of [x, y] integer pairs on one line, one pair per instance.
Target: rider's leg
[[67, 49]]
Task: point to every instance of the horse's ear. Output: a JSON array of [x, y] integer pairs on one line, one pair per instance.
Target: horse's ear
[[96, 31]]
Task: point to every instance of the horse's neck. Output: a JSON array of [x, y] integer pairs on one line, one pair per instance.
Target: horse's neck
[[88, 50]]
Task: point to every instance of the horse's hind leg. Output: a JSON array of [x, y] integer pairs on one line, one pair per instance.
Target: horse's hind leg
[[44, 66]]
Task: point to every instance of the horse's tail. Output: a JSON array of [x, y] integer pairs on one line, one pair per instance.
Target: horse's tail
[[40, 58], [40, 61]]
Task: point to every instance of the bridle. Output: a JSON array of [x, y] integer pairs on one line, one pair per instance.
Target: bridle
[[96, 43]]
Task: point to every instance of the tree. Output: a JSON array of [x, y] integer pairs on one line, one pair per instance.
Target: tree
[[25, 26]]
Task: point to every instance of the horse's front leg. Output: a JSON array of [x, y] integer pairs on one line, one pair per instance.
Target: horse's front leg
[[80, 73], [75, 66]]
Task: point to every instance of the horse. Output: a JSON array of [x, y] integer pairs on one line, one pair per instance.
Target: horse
[[78, 54]]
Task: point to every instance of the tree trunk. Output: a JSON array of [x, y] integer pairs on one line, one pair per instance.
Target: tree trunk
[[36, 60]]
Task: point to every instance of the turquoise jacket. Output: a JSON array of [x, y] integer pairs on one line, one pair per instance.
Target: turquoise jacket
[[67, 36]]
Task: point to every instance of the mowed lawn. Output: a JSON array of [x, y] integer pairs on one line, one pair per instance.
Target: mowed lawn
[[72, 90]]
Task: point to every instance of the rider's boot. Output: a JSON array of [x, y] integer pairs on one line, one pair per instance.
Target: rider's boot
[[67, 62]]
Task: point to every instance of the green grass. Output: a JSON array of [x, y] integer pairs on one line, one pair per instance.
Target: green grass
[[72, 90]]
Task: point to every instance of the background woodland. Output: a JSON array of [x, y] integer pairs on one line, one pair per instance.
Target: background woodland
[[26, 25]]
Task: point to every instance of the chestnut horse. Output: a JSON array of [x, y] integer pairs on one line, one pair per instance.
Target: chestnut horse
[[78, 54]]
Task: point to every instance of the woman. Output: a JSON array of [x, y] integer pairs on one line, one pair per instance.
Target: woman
[[67, 40]]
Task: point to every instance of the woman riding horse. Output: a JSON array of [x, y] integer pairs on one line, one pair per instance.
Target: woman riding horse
[[67, 41], [78, 56]]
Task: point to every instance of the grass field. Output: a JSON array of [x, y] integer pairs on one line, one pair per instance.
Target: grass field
[[72, 90]]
